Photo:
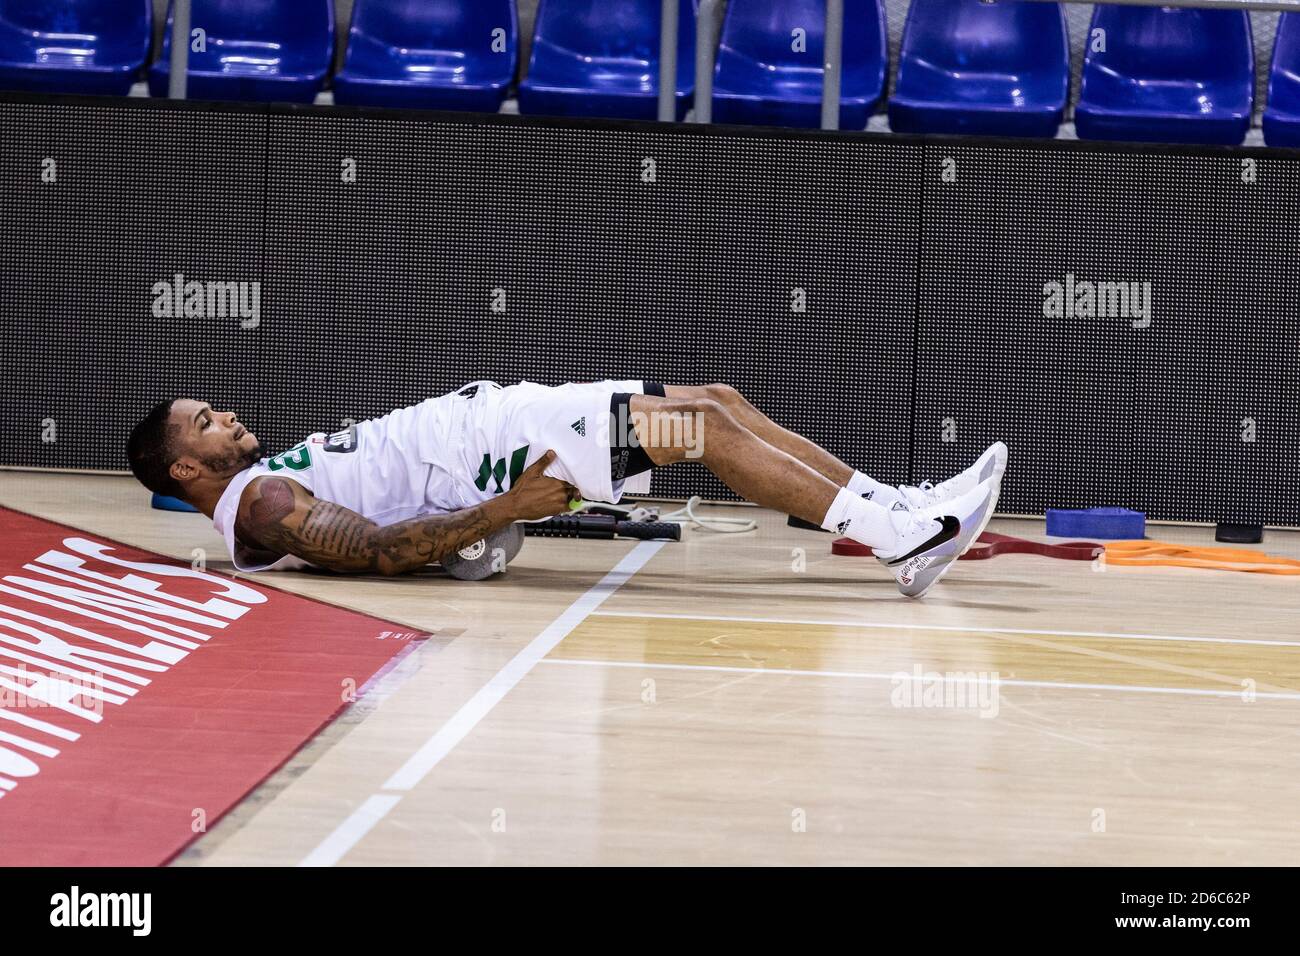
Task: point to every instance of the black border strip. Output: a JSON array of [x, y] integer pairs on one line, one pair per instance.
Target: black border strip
[[461, 118]]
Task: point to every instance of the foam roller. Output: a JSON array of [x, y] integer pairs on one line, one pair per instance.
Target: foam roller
[[485, 557], [603, 527]]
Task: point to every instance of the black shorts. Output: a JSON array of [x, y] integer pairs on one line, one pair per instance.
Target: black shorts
[[626, 456]]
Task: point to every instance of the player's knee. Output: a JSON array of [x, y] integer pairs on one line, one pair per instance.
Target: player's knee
[[712, 416], [723, 394], [707, 407]]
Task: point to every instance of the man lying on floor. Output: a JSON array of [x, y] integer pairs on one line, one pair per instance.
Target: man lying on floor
[[401, 491]]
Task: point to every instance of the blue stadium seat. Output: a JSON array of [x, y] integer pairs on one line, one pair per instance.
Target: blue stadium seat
[[430, 54], [1282, 110], [761, 79], [260, 50], [1168, 76], [601, 58], [991, 68], [73, 46]]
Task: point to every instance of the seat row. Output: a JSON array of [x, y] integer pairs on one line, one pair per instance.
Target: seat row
[[991, 67]]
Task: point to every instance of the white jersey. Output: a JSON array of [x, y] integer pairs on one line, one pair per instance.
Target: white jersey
[[445, 454]]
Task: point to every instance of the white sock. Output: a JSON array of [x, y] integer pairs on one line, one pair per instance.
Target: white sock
[[867, 487], [864, 521]]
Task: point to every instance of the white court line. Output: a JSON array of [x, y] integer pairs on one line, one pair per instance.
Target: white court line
[[906, 675], [338, 843], [942, 627], [347, 833]]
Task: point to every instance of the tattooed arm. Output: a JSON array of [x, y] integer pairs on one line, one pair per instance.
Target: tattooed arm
[[280, 516]]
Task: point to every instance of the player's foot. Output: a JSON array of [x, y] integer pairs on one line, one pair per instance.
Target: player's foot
[[931, 539], [990, 466]]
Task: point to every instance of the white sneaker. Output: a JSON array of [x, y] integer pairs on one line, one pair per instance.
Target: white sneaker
[[991, 465], [931, 539]]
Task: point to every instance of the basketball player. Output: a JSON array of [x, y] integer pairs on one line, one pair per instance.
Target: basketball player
[[395, 493]]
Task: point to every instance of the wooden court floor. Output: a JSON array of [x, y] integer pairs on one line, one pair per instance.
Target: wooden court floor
[[752, 699]]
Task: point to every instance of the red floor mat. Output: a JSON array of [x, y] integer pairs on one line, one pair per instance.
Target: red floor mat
[[141, 699]]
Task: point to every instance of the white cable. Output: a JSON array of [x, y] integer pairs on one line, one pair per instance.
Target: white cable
[[688, 516], [685, 515]]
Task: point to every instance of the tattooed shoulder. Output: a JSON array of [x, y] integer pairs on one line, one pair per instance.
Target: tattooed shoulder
[[266, 502]]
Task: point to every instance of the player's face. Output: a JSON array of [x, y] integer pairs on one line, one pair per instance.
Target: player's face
[[217, 440]]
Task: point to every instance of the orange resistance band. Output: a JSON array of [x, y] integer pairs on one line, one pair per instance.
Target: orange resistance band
[[1164, 554]]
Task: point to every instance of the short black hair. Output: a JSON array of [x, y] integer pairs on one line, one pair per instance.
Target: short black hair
[[151, 451]]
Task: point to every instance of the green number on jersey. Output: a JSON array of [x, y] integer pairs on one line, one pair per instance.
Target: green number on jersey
[[295, 459], [488, 470]]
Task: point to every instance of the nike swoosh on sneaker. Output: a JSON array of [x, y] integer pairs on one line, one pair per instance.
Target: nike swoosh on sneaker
[[951, 528]]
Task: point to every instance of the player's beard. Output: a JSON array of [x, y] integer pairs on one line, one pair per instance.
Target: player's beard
[[235, 463]]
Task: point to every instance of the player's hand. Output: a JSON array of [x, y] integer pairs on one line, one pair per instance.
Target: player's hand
[[534, 495]]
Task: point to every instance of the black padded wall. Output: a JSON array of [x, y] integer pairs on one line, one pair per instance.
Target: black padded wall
[[922, 263], [97, 205], [1183, 405], [510, 252]]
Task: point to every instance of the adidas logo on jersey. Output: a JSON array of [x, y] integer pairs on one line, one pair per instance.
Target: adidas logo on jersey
[[580, 426], [843, 526]]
